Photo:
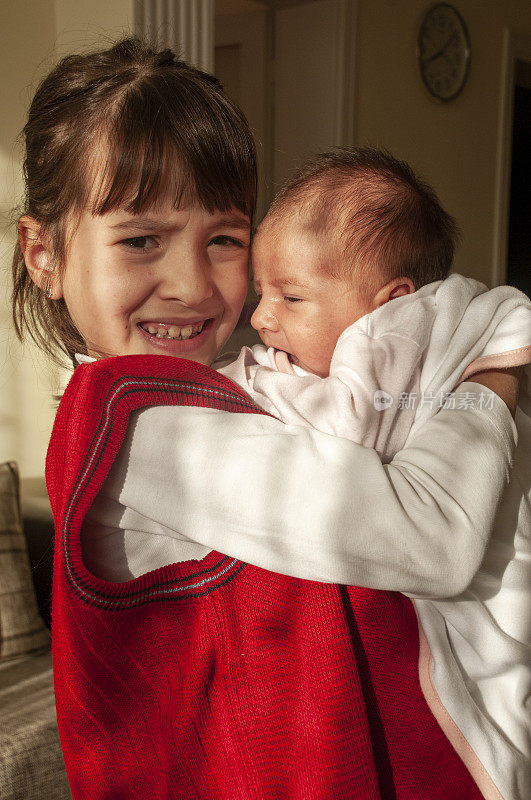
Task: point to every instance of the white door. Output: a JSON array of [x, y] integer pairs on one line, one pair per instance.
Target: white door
[[291, 69]]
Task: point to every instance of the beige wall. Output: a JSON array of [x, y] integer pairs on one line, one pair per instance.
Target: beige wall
[[27, 34], [305, 83], [225, 7], [91, 23], [454, 145], [33, 34]]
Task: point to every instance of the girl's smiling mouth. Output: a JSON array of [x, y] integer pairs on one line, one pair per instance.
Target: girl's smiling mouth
[[163, 330], [177, 337]]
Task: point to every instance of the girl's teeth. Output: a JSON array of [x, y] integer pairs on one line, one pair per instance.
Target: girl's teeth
[[174, 331]]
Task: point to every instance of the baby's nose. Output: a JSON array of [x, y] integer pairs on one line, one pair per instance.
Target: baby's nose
[[263, 317]]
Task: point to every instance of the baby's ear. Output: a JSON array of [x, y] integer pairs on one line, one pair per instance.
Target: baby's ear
[[38, 256], [398, 287]]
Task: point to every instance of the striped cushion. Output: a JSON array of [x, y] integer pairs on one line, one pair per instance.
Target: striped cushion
[[31, 762], [22, 630]]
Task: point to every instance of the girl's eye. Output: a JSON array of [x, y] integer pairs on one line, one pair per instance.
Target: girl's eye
[[140, 243], [227, 241], [289, 299]]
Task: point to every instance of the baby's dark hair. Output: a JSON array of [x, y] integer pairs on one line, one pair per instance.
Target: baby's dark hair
[[386, 221], [116, 128]]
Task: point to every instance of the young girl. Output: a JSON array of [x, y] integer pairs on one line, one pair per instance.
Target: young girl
[[211, 678]]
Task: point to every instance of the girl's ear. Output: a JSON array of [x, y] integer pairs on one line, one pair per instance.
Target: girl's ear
[[38, 256]]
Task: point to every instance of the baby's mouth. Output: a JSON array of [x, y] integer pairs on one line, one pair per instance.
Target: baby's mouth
[[178, 332]]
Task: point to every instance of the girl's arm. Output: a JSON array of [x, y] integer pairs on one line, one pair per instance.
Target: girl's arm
[[504, 382], [303, 503]]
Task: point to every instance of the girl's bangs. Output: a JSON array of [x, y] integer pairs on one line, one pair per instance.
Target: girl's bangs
[[134, 177], [143, 165]]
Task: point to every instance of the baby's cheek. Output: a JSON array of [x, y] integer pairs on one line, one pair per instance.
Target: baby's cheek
[[323, 348]]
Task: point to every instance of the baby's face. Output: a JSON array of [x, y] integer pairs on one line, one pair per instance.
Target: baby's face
[[303, 309]]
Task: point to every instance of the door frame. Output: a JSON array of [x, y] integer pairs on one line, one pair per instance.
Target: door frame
[[347, 73]]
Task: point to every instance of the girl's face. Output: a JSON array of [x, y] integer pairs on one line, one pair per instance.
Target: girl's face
[[167, 281]]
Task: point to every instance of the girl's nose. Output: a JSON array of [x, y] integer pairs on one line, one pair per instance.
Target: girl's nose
[[186, 278], [264, 318]]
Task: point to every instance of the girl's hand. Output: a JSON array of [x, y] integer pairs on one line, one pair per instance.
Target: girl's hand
[[504, 382]]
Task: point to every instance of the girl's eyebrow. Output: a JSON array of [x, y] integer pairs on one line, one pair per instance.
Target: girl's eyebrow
[[233, 222], [142, 223]]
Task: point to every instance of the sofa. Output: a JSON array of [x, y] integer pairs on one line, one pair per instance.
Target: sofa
[[31, 763]]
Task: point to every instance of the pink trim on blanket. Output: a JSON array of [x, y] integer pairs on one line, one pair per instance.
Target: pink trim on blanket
[[512, 358], [454, 735]]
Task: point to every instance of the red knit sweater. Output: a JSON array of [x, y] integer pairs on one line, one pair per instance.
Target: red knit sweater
[[216, 679]]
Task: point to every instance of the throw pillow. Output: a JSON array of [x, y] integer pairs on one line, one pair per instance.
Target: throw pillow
[[22, 630]]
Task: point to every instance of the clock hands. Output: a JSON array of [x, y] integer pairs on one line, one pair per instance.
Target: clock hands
[[442, 51]]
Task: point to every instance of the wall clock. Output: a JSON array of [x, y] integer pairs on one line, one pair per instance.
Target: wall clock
[[443, 51]]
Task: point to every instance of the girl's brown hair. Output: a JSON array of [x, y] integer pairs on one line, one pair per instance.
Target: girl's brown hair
[[115, 128]]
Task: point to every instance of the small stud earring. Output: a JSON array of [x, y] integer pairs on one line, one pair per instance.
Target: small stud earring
[[48, 282]]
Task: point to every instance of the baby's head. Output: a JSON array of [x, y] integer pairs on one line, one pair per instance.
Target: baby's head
[[140, 189], [354, 229]]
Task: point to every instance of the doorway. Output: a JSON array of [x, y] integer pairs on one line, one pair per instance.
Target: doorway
[[512, 229], [519, 233]]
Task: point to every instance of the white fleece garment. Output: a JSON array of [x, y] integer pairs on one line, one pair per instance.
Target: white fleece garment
[[410, 353]]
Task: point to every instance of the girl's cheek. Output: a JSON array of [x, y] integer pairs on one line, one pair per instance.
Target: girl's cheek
[[128, 291], [234, 288], [240, 299]]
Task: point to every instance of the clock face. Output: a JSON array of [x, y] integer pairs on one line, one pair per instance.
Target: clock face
[[443, 51]]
